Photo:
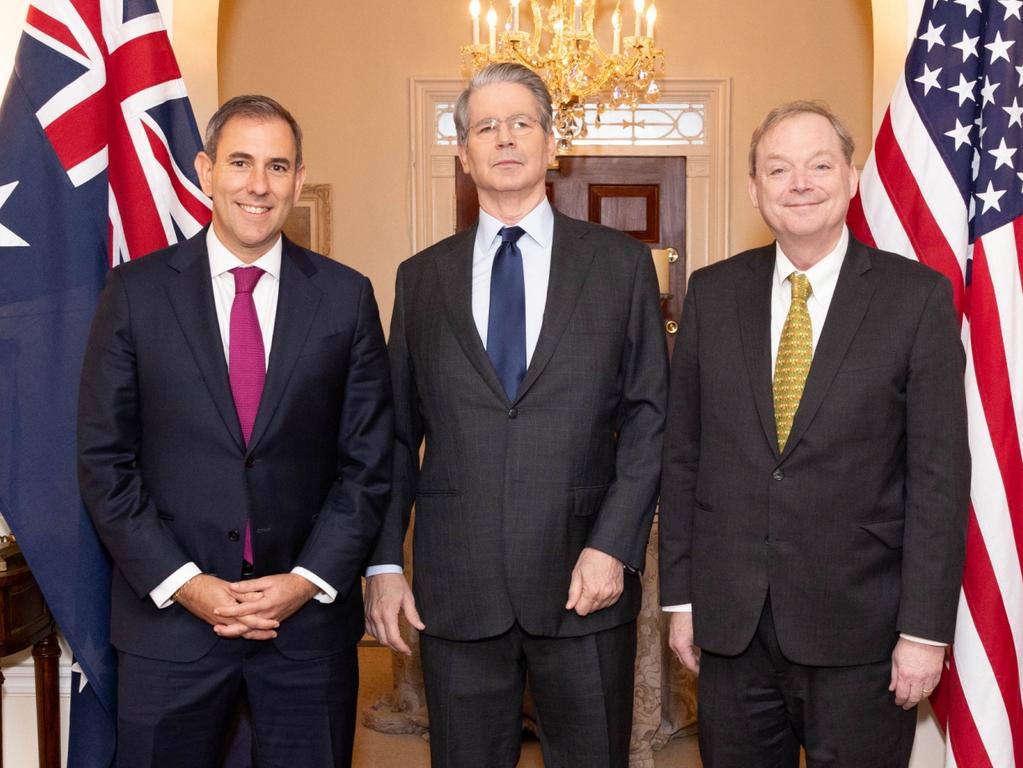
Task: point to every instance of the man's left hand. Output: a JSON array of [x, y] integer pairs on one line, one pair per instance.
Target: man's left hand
[[916, 669], [597, 582], [280, 596]]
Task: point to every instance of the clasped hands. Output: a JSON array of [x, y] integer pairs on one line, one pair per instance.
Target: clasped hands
[[252, 609], [597, 582]]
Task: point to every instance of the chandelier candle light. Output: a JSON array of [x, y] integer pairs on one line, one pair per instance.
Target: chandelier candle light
[[563, 50]]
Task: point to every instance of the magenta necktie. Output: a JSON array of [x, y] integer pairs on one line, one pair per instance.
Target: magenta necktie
[[247, 362]]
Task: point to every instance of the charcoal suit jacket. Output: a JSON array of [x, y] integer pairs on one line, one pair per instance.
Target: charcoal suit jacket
[[510, 491], [857, 528]]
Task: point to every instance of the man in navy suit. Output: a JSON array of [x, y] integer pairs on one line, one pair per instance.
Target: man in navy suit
[[235, 433]]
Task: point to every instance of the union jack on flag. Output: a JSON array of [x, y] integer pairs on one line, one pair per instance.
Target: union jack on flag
[[944, 185], [97, 140]]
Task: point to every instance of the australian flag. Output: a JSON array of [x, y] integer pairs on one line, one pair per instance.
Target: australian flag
[[97, 140]]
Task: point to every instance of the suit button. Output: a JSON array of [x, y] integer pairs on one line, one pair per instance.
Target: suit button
[[513, 413], [233, 535], [778, 475], [249, 462]]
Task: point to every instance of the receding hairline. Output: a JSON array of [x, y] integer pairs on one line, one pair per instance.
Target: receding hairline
[[792, 109]]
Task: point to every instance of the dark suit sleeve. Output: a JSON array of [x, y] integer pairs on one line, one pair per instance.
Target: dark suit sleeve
[[109, 436], [937, 473], [681, 460], [349, 520], [622, 527], [408, 436]]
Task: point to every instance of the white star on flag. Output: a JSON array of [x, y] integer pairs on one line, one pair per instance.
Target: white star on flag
[[991, 196], [968, 45], [929, 79], [965, 89], [7, 238], [988, 91], [1015, 111], [1003, 154], [970, 6], [1012, 7], [961, 133], [933, 36], [1000, 48]]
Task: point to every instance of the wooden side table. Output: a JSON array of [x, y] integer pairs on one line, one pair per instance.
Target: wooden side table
[[25, 621]]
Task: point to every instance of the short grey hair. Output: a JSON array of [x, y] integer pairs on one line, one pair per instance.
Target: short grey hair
[[504, 73], [256, 107], [802, 107]]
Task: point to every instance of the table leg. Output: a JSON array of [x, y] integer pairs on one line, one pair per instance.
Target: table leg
[[45, 654]]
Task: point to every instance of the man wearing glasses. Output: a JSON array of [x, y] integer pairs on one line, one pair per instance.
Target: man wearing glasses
[[528, 352]]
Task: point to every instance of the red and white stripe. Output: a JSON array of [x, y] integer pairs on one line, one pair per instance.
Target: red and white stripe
[[908, 203]]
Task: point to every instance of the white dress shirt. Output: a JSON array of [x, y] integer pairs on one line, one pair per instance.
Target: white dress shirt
[[264, 296], [535, 247]]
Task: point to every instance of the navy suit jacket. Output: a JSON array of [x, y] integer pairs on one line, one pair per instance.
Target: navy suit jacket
[[168, 478]]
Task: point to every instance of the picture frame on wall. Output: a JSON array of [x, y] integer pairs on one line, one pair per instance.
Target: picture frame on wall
[[309, 223]]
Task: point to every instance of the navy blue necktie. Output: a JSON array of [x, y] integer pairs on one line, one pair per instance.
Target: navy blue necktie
[[506, 326]]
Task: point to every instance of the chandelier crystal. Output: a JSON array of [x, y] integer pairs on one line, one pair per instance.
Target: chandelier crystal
[[563, 50]]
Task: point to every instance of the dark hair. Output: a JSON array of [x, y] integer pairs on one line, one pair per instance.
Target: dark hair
[[791, 109], [504, 73], [254, 106]]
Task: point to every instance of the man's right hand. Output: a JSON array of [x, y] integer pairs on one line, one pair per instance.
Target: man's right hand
[[204, 593], [680, 640], [387, 594]]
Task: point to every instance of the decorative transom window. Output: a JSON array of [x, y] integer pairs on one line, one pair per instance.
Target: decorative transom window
[[660, 124]]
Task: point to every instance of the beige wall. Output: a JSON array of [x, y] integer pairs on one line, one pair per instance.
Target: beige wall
[[343, 68]]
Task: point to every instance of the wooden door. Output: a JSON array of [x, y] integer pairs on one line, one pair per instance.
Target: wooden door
[[642, 196]]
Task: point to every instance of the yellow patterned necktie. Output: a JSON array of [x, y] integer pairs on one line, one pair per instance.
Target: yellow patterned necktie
[[795, 351]]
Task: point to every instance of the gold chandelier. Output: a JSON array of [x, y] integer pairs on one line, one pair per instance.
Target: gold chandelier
[[573, 65]]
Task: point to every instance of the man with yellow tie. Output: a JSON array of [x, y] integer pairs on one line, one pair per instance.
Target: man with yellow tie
[[816, 475]]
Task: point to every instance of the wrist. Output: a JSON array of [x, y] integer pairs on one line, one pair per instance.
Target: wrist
[[183, 589]]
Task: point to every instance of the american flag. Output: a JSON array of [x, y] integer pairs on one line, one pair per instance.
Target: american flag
[[944, 185], [97, 140]]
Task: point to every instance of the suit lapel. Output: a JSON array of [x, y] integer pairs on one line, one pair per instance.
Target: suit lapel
[[570, 263], [753, 297], [853, 292], [454, 272], [191, 297], [297, 303]]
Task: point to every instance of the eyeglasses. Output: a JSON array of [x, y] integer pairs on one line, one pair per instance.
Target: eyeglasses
[[517, 125]]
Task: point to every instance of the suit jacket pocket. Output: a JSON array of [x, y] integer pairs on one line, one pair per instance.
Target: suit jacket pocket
[[587, 499], [888, 532]]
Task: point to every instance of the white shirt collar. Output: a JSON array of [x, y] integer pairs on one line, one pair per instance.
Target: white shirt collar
[[538, 224], [823, 275], [222, 260]]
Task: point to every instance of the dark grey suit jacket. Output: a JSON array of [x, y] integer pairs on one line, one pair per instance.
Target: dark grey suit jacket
[[166, 473], [858, 528], [509, 493]]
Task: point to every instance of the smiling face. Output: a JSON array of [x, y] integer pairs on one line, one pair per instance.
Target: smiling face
[[253, 182], [505, 167], [803, 185]]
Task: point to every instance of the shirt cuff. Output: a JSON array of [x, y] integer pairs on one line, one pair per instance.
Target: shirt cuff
[[165, 589], [922, 640], [376, 570], [327, 593], [684, 608]]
